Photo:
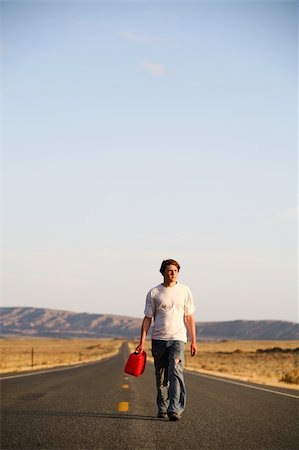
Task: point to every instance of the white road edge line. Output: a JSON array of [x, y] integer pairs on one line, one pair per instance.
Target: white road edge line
[[41, 372], [242, 384], [189, 371]]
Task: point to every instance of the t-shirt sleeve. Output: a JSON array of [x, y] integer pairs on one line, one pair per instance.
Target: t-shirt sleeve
[[149, 307], [189, 305]]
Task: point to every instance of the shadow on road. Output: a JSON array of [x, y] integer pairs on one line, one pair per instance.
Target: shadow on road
[[83, 415]]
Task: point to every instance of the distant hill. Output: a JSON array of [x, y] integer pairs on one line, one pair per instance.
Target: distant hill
[[40, 322], [248, 330]]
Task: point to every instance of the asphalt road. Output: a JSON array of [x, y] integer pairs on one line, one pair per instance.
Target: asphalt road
[[78, 408]]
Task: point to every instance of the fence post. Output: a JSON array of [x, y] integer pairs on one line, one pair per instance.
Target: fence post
[[32, 356]]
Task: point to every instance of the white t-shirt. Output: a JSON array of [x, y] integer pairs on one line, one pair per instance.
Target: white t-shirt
[[168, 306]]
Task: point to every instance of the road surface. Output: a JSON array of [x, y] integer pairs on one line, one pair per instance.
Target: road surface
[[97, 406]]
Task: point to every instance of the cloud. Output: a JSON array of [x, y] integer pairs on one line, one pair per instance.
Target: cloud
[[133, 37], [153, 68], [290, 213]]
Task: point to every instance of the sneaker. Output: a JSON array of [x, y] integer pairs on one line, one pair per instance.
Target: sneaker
[[162, 415], [173, 417]]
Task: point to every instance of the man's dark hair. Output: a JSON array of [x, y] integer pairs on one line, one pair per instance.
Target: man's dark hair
[[169, 262]]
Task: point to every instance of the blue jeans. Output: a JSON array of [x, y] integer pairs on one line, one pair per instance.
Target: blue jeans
[[169, 363]]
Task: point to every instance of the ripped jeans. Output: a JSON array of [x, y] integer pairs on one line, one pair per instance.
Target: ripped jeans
[[169, 363]]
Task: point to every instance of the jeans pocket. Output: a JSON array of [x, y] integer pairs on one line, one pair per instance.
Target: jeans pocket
[[158, 349]]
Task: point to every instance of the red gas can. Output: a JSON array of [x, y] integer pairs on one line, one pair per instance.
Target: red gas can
[[136, 364]]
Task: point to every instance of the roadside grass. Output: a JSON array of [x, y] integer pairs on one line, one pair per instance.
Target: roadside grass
[[16, 353], [273, 363]]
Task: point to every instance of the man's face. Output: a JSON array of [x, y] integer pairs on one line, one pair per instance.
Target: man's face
[[171, 273]]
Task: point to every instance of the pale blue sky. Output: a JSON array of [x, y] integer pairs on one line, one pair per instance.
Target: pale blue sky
[[139, 131]]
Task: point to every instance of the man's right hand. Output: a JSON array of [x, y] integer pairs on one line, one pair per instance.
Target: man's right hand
[[139, 348]]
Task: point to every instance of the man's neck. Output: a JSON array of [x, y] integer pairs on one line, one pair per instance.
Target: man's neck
[[170, 284]]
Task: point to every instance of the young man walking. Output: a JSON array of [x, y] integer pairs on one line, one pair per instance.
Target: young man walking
[[171, 306]]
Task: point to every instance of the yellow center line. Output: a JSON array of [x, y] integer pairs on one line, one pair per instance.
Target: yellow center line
[[125, 386], [123, 406]]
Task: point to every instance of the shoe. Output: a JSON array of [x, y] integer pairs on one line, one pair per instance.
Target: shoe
[[162, 415], [173, 417]]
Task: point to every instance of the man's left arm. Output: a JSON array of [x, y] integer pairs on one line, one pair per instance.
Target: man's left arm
[[190, 324]]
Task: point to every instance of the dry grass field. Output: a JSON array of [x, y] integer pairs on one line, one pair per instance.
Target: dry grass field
[[274, 363], [16, 353], [253, 361]]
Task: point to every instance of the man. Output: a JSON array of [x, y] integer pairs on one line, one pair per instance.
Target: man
[[171, 306]]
